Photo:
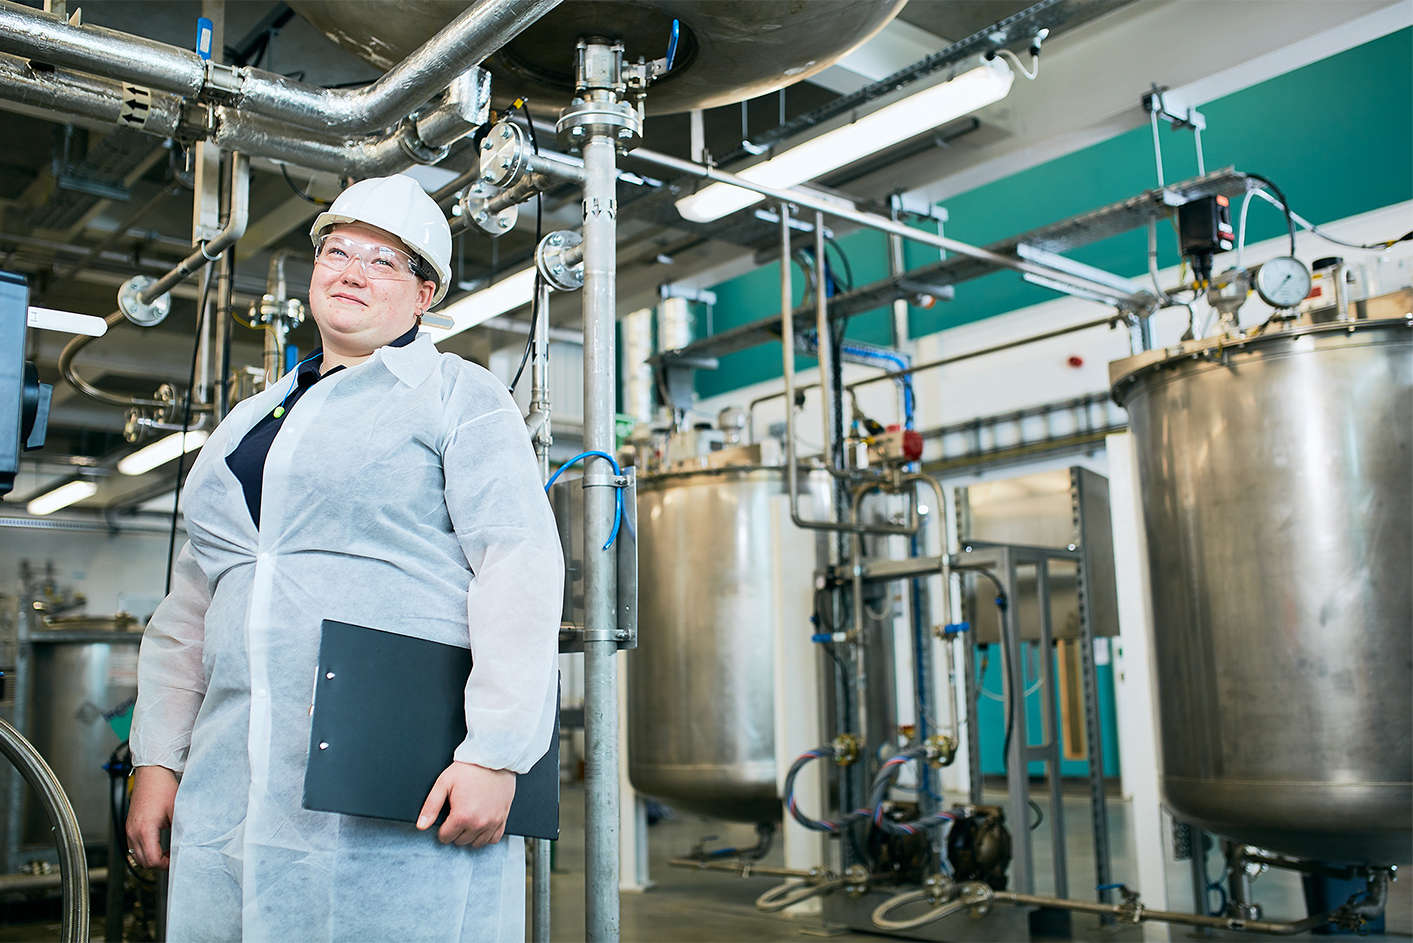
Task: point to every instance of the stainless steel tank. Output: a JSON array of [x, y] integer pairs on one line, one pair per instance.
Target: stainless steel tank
[[722, 570], [81, 673], [1277, 483], [727, 51]]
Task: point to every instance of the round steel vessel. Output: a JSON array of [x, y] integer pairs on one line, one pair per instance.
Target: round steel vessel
[[1277, 475], [80, 675], [727, 51], [721, 571]]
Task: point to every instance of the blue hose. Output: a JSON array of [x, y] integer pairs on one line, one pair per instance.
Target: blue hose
[[617, 492]]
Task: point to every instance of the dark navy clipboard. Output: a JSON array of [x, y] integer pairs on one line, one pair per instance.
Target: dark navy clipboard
[[388, 714]]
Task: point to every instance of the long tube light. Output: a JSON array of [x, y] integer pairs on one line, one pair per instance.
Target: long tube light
[[61, 497], [480, 306], [907, 117], [160, 452]]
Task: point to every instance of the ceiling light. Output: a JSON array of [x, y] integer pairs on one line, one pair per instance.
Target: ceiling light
[[160, 452], [480, 306], [61, 497], [907, 117]]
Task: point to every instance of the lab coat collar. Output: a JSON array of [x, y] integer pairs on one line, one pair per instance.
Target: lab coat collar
[[413, 363]]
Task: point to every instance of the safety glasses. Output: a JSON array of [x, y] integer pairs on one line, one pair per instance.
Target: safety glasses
[[336, 253]]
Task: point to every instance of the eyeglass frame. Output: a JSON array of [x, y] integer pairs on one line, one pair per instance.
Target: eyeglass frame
[[358, 249]]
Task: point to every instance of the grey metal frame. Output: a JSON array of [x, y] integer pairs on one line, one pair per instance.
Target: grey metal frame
[[1003, 561]]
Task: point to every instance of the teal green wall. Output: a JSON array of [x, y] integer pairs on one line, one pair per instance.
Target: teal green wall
[[1336, 135], [991, 716]]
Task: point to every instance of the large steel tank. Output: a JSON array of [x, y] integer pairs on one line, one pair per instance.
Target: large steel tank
[[1277, 487], [722, 571], [727, 51], [83, 672]]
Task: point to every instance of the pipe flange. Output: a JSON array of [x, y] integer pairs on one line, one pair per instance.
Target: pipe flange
[[417, 150], [143, 314], [474, 206], [585, 119], [504, 154], [555, 267]]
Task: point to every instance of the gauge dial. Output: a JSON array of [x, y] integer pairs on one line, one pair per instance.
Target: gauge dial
[[1283, 282]]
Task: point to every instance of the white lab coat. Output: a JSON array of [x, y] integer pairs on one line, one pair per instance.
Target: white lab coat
[[358, 524]]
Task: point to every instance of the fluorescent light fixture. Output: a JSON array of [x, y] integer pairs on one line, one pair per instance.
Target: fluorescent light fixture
[[976, 88], [61, 497], [160, 452], [480, 306]]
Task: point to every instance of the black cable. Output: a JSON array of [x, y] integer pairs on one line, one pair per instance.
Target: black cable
[[535, 313], [186, 425], [1285, 205], [298, 192], [829, 242]]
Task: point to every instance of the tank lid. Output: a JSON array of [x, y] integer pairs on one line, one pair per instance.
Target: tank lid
[[1393, 309]]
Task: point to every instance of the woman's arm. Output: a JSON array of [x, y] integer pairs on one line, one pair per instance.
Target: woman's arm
[[170, 686], [170, 679], [503, 520]]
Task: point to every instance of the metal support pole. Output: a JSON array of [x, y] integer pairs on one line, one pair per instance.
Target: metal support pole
[[540, 416], [1048, 710], [824, 344], [1017, 766], [600, 589], [1093, 733]]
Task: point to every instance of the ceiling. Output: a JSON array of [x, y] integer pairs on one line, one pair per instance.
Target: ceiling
[[82, 207]]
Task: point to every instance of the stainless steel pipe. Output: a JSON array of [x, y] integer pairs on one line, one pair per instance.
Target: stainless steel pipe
[[477, 32], [600, 577], [73, 869], [806, 200], [235, 228]]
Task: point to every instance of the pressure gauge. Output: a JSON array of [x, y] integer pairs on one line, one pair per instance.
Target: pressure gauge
[[1283, 282]]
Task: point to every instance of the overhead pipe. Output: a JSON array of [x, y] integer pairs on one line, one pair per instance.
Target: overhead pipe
[[424, 140], [834, 208], [478, 31], [205, 254], [120, 230]]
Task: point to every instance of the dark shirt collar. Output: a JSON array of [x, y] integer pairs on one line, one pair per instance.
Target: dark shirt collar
[[309, 369]]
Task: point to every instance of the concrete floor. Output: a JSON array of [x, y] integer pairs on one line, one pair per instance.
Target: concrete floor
[[686, 906]]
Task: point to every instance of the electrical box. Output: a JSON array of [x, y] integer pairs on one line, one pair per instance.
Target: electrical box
[[24, 401], [1204, 229]]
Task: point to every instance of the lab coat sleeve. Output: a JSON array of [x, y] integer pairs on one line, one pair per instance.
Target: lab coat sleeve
[[507, 531], [171, 682]]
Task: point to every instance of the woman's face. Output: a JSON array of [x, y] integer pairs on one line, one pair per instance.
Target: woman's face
[[356, 313]]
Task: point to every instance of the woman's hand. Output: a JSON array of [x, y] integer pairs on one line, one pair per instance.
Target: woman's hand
[[479, 799], [154, 791]]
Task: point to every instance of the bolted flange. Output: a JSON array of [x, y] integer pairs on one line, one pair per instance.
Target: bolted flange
[[585, 118], [143, 314], [475, 207], [503, 155], [560, 259]]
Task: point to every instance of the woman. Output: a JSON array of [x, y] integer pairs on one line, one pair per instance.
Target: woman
[[382, 484]]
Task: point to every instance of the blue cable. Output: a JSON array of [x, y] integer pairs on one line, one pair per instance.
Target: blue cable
[[280, 409], [617, 492]]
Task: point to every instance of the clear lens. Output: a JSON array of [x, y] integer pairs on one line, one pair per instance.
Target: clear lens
[[379, 261]]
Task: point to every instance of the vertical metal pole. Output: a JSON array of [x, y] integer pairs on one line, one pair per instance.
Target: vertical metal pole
[[1089, 685], [1017, 767], [540, 406], [1052, 731], [225, 279], [600, 589], [896, 268], [825, 345]]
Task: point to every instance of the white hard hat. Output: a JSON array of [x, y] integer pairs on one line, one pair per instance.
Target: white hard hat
[[400, 206]]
